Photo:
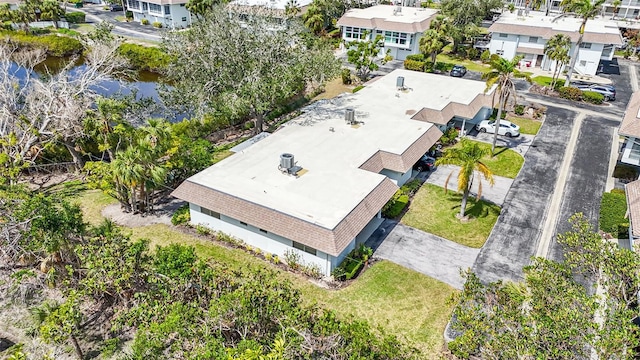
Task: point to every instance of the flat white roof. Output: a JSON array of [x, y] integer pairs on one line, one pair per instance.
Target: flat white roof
[[331, 152], [272, 4], [388, 13], [567, 23]]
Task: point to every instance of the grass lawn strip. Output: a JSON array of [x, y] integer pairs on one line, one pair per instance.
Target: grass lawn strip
[[433, 211], [403, 302], [507, 163], [334, 88], [527, 126]]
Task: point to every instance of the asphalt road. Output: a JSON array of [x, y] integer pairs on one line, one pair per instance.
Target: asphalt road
[[96, 13], [426, 253], [514, 238], [587, 177]]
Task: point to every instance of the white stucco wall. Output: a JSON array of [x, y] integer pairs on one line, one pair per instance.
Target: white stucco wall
[[397, 177], [397, 51], [275, 244], [178, 18], [507, 45]]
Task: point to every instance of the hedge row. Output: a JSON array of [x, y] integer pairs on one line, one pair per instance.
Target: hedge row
[[613, 209], [75, 17], [575, 94], [55, 45], [144, 57], [352, 263]]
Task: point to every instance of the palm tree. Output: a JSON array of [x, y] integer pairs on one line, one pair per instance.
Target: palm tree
[[585, 10], [469, 157], [557, 49], [616, 6], [52, 10], [502, 74], [292, 8], [313, 18], [431, 44]]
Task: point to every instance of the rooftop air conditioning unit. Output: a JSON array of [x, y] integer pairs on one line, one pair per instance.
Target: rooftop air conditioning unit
[[400, 82]]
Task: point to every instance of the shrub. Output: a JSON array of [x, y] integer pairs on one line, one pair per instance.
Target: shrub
[[449, 137], [352, 263], [358, 88], [613, 209], [625, 172], [312, 270], [75, 17], [395, 206], [144, 21], [592, 97], [203, 230], [444, 67], [411, 187], [346, 76], [415, 57], [144, 57], [571, 93], [181, 216], [293, 259], [157, 24], [485, 56], [519, 109], [229, 239], [472, 53], [69, 32], [55, 45], [414, 65]]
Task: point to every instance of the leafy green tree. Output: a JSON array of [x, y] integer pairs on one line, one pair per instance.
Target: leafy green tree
[[5, 12], [469, 157], [200, 8], [365, 55], [106, 125], [579, 308], [557, 49], [62, 324], [466, 16], [502, 74], [314, 18], [585, 10], [257, 66]]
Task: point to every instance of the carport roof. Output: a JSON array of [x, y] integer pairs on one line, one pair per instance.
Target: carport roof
[[632, 191], [630, 125]]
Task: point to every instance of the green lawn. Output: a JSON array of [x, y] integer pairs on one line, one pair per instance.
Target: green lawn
[[434, 211], [470, 65], [527, 126], [403, 302], [546, 80], [506, 163]]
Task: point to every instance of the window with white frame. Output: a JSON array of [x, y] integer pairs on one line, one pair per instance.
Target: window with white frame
[[585, 45], [155, 8], [354, 32], [145, 6], [167, 9], [210, 212], [133, 4], [304, 248], [393, 37], [533, 39], [503, 35]]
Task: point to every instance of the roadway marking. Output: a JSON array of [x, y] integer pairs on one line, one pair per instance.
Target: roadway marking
[[551, 220]]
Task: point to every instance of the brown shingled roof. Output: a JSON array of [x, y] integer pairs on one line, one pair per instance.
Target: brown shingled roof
[[632, 191], [442, 117], [630, 125]]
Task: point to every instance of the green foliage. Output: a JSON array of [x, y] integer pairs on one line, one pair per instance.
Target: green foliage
[[395, 205], [176, 261], [144, 57], [625, 172], [346, 76], [144, 21], [411, 187], [353, 263], [293, 259], [570, 93], [358, 88], [414, 65], [519, 109], [485, 57], [449, 137], [364, 55], [613, 209], [472, 53], [157, 24], [181, 216], [75, 17], [416, 57], [592, 97], [54, 45]]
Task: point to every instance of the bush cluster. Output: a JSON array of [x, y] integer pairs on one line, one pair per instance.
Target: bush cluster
[[144, 57], [352, 263], [625, 172], [613, 209], [592, 97], [519, 109], [485, 56], [157, 24], [451, 134], [144, 21], [414, 65], [75, 17], [55, 45], [395, 206], [570, 93], [346, 76], [181, 216]]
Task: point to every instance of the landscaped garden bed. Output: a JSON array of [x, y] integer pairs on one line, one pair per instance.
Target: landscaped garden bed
[[613, 211]]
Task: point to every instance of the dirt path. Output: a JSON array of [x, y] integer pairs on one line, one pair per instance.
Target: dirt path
[[161, 215]]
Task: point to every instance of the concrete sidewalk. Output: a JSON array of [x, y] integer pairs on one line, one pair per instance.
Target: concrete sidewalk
[[495, 194]]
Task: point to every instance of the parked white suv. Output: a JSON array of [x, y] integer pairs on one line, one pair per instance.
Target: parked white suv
[[507, 128]]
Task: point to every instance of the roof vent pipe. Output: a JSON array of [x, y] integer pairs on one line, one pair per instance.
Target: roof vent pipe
[[286, 161], [350, 116], [400, 82]]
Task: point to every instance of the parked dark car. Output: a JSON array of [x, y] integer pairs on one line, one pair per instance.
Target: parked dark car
[[426, 163], [458, 71], [115, 7]]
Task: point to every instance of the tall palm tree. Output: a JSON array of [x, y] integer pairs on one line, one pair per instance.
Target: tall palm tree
[[502, 74], [313, 18], [585, 10], [557, 49], [469, 157], [292, 8], [431, 44], [52, 10]]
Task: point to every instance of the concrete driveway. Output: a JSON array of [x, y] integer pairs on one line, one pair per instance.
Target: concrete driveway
[[426, 253], [520, 144]]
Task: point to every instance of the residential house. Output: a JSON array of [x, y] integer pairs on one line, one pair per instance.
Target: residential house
[[278, 7], [171, 14], [630, 130], [526, 33], [401, 26], [317, 185]]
